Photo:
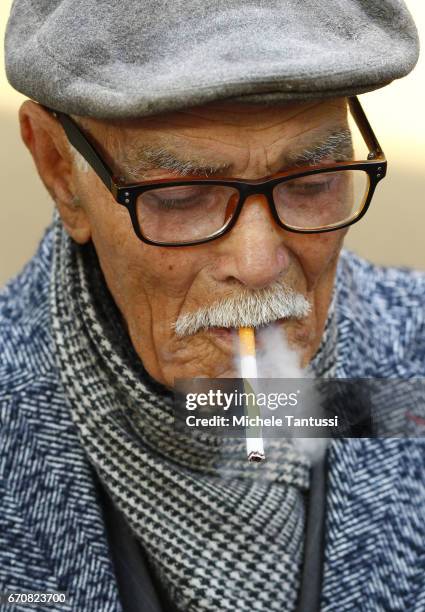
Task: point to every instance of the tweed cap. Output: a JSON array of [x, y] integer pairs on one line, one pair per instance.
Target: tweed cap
[[127, 58]]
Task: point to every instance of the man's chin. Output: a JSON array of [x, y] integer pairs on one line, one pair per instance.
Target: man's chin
[[232, 373]]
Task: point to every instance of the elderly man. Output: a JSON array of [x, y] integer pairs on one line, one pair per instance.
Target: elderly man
[[202, 164]]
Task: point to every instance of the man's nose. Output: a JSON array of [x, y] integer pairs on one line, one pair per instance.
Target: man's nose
[[253, 252]]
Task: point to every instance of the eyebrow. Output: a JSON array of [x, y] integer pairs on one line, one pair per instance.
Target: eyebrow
[[336, 144], [162, 158]]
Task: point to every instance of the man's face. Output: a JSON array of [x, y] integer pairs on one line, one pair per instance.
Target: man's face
[[154, 286]]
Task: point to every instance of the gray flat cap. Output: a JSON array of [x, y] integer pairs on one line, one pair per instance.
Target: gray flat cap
[[128, 58]]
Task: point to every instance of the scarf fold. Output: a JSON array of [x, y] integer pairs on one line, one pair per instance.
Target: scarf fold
[[220, 533]]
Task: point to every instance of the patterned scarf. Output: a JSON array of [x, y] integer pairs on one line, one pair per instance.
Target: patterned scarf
[[220, 533]]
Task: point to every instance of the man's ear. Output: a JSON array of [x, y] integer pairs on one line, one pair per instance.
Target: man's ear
[[44, 137]]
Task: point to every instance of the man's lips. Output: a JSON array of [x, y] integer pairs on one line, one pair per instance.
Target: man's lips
[[222, 331], [227, 335]]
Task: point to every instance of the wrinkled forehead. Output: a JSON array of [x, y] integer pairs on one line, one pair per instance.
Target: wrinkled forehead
[[213, 135], [217, 115]]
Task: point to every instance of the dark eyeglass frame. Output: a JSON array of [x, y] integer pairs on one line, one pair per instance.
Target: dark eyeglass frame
[[126, 195]]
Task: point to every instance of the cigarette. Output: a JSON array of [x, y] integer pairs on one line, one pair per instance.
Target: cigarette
[[254, 445]]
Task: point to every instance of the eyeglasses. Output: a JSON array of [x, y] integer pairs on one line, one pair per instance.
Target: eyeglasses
[[192, 211]]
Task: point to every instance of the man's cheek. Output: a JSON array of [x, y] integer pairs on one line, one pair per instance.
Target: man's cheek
[[175, 274], [319, 252]]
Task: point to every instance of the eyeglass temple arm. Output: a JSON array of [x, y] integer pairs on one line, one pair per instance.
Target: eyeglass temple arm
[[83, 146], [366, 129]]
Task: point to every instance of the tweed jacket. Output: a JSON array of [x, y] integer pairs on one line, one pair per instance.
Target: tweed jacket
[[52, 533]]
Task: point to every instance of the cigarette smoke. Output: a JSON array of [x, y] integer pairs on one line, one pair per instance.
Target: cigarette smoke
[[277, 360]]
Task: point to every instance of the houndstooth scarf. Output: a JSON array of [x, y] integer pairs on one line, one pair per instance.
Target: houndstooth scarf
[[220, 533]]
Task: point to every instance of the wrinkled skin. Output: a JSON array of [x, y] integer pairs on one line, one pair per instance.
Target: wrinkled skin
[[152, 286]]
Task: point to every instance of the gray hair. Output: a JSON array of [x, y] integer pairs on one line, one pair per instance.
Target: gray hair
[[249, 308], [80, 163]]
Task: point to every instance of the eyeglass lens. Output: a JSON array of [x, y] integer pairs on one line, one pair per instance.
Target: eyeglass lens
[[187, 213]]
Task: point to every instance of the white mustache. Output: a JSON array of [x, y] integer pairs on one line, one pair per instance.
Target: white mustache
[[249, 308]]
